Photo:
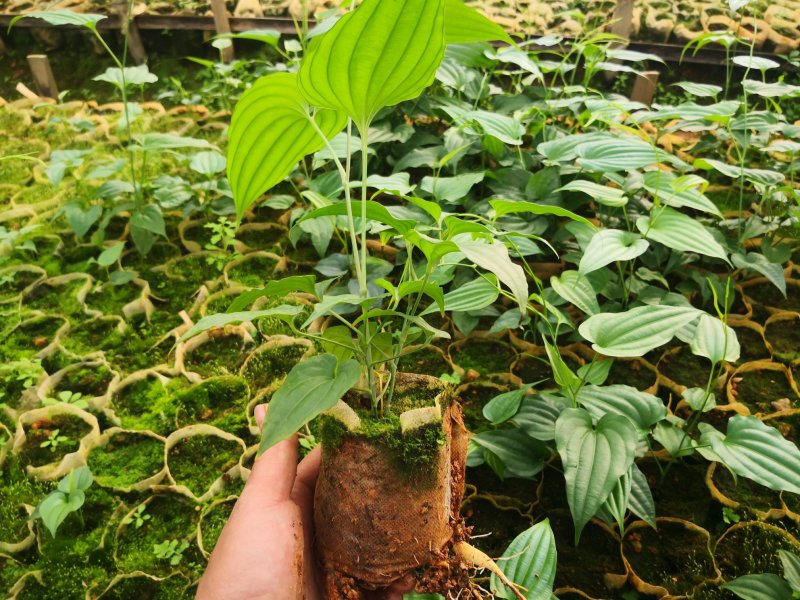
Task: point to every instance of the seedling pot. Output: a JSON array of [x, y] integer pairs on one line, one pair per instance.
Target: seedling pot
[[386, 503]]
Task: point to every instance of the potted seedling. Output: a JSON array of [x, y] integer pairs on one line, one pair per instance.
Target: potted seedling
[[394, 446]]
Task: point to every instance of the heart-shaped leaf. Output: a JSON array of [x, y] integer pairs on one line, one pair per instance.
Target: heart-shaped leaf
[[529, 562]]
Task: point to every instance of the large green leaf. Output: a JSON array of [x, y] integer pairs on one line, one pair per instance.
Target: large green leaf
[[575, 288], [611, 245], [640, 501], [602, 194], [504, 406], [519, 454], [62, 17], [671, 191], [474, 295], [791, 568], [715, 340], [312, 387], [494, 258], [754, 450], [464, 24], [378, 55], [759, 263], [529, 562], [508, 207], [761, 586], [616, 505], [680, 232], [642, 409], [220, 320], [637, 331], [270, 132], [277, 288], [594, 459], [375, 211], [538, 414], [620, 154]]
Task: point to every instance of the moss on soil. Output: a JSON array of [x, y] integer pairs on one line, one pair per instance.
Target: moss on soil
[[126, 460], [484, 356], [759, 389], [685, 368], [89, 380], [19, 280], [29, 338], [147, 404], [218, 401], [752, 548], [253, 272], [270, 365], [200, 460], [425, 362], [221, 355], [60, 299], [213, 522], [72, 429]]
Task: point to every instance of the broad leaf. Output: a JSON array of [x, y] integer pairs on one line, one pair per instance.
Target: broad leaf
[[637, 331], [680, 232], [157, 142], [529, 562], [521, 455], [62, 17], [139, 75], [602, 194], [754, 450], [620, 154], [761, 586], [640, 501], [759, 263], [311, 387], [575, 288], [715, 340], [464, 24], [616, 505], [671, 191], [220, 320], [494, 258], [611, 245], [474, 295], [271, 130], [450, 189], [378, 55], [593, 458], [538, 414], [375, 211], [208, 163], [791, 568], [275, 289], [508, 207], [504, 406], [642, 409]]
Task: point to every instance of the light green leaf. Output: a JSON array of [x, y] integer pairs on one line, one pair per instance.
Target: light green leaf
[[593, 458], [378, 55], [616, 504], [666, 187], [701, 90], [311, 387], [375, 211], [759, 263], [277, 288], [715, 340], [760, 176], [139, 75], [529, 562], [464, 24], [110, 255], [637, 331], [62, 17], [761, 586], [611, 245], [602, 194], [791, 568], [620, 154], [156, 142], [494, 258], [508, 207], [266, 36], [698, 399], [208, 163], [270, 132], [450, 189], [771, 90], [758, 63], [474, 295], [222, 319], [642, 409], [680, 232], [754, 450], [538, 414], [397, 183], [596, 372], [575, 288]]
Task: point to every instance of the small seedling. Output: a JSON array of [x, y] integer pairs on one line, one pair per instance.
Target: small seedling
[[66, 397], [54, 440], [139, 517], [730, 516], [221, 242], [67, 498], [451, 378], [171, 550]]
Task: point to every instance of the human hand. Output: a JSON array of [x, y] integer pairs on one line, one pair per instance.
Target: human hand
[[265, 551]]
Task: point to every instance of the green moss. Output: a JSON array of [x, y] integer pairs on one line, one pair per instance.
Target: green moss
[[147, 404], [30, 337], [219, 401], [253, 272], [221, 355], [267, 366], [198, 461], [126, 460], [58, 299], [213, 522], [89, 380], [194, 270], [485, 356], [414, 453], [425, 362], [753, 548], [19, 280], [144, 588], [15, 490], [110, 300]]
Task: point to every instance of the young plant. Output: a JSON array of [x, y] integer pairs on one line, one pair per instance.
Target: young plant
[[138, 518], [66, 397], [67, 498], [760, 586], [171, 550], [222, 242], [54, 440]]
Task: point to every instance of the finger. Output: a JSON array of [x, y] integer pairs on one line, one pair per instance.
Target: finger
[[274, 472], [306, 482], [259, 413]]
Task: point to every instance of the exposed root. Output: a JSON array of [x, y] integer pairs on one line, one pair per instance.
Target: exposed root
[[480, 560]]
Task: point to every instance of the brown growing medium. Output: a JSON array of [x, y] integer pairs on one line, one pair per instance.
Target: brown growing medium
[[376, 526]]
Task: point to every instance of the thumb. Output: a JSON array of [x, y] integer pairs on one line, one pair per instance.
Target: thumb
[[275, 471]]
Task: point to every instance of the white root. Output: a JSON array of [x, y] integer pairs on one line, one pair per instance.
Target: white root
[[481, 560]]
